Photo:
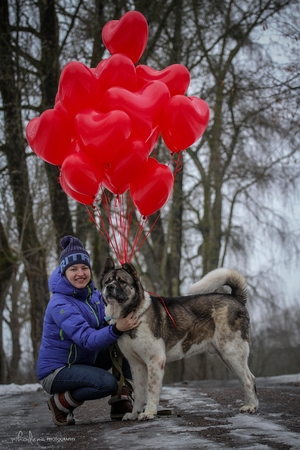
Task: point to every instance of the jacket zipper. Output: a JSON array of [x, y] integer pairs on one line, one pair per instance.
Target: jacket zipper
[[94, 312], [72, 346], [96, 317]]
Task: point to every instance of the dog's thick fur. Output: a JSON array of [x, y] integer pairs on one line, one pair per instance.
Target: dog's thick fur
[[172, 328]]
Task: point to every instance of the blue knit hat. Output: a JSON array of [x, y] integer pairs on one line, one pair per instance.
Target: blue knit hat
[[73, 253]]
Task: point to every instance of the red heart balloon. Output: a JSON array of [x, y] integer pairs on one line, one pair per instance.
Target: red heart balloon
[[118, 70], [185, 120], [152, 139], [78, 88], [100, 66], [50, 136], [80, 198], [176, 77], [133, 156], [103, 134], [59, 107], [31, 129], [82, 174], [128, 35], [113, 189], [152, 189], [144, 107], [67, 117]]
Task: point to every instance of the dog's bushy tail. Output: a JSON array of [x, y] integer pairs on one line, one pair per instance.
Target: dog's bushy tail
[[222, 277]]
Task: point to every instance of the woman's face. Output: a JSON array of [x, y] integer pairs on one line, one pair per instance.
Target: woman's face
[[79, 275]]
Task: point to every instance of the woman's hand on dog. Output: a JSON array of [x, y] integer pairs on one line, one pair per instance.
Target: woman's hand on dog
[[127, 323]]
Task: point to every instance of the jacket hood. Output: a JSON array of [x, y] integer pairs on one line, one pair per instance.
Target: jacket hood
[[59, 284]]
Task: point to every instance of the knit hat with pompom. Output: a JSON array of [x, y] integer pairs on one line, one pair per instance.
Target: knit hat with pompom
[[73, 253]]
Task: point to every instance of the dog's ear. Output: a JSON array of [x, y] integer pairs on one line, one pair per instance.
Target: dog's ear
[[109, 265], [132, 271]]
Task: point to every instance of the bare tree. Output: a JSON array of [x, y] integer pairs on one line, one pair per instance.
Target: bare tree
[[14, 150], [249, 148], [223, 193], [7, 269]]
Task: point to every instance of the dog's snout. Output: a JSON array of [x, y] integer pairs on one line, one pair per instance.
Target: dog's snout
[[110, 287]]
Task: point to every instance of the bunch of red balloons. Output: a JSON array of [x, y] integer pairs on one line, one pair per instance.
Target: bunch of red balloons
[[106, 121]]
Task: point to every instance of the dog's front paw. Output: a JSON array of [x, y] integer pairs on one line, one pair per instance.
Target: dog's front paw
[[147, 416], [249, 409], [130, 416]]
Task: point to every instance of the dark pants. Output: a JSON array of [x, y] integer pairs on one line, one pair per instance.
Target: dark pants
[[89, 382]]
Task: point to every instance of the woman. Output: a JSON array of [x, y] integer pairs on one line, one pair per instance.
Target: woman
[[74, 357]]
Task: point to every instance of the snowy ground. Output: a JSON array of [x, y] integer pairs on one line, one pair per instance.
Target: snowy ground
[[198, 421], [12, 389]]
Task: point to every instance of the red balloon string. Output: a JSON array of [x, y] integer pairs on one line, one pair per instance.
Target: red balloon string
[[177, 162], [141, 225], [120, 213], [166, 308]]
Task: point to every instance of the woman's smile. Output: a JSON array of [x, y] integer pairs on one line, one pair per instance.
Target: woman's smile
[[79, 275]]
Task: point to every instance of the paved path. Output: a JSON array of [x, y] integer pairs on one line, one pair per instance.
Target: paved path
[[204, 416]]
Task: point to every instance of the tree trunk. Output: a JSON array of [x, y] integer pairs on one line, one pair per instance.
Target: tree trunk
[[49, 70], [7, 269], [15, 327], [98, 24], [212, 217], [32, 252], [172, 274], [174, 371]]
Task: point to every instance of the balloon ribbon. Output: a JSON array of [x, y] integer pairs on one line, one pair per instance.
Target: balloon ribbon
[[166, 308], [116, 230]]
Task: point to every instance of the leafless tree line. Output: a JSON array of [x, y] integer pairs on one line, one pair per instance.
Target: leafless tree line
[[224, 204]]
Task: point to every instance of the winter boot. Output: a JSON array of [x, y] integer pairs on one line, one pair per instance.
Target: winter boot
[[62, 406], [121, 405]]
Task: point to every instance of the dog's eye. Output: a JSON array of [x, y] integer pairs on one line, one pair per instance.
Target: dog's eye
[[122, 282], [108, 280]]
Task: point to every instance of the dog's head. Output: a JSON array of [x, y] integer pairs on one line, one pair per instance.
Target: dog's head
[[121, 285]]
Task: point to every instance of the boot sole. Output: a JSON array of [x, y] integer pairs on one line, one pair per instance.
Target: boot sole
[[59, 424], [117, 416], [164, 412]]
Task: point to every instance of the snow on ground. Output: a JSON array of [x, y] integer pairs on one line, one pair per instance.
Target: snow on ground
[[246, 430], [282, 379], [12, 389]]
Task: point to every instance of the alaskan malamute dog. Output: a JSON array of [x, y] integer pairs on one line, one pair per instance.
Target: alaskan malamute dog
[[172, 328]]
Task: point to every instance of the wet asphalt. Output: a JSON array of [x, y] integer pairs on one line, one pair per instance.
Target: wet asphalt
[[205, 415]]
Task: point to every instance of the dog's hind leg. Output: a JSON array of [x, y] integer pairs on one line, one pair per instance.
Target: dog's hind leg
[[235, 357]]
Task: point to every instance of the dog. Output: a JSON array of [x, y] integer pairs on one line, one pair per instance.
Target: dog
[[173, 328]]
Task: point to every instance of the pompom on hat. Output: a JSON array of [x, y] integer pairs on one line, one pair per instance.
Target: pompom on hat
[[73, 253]]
